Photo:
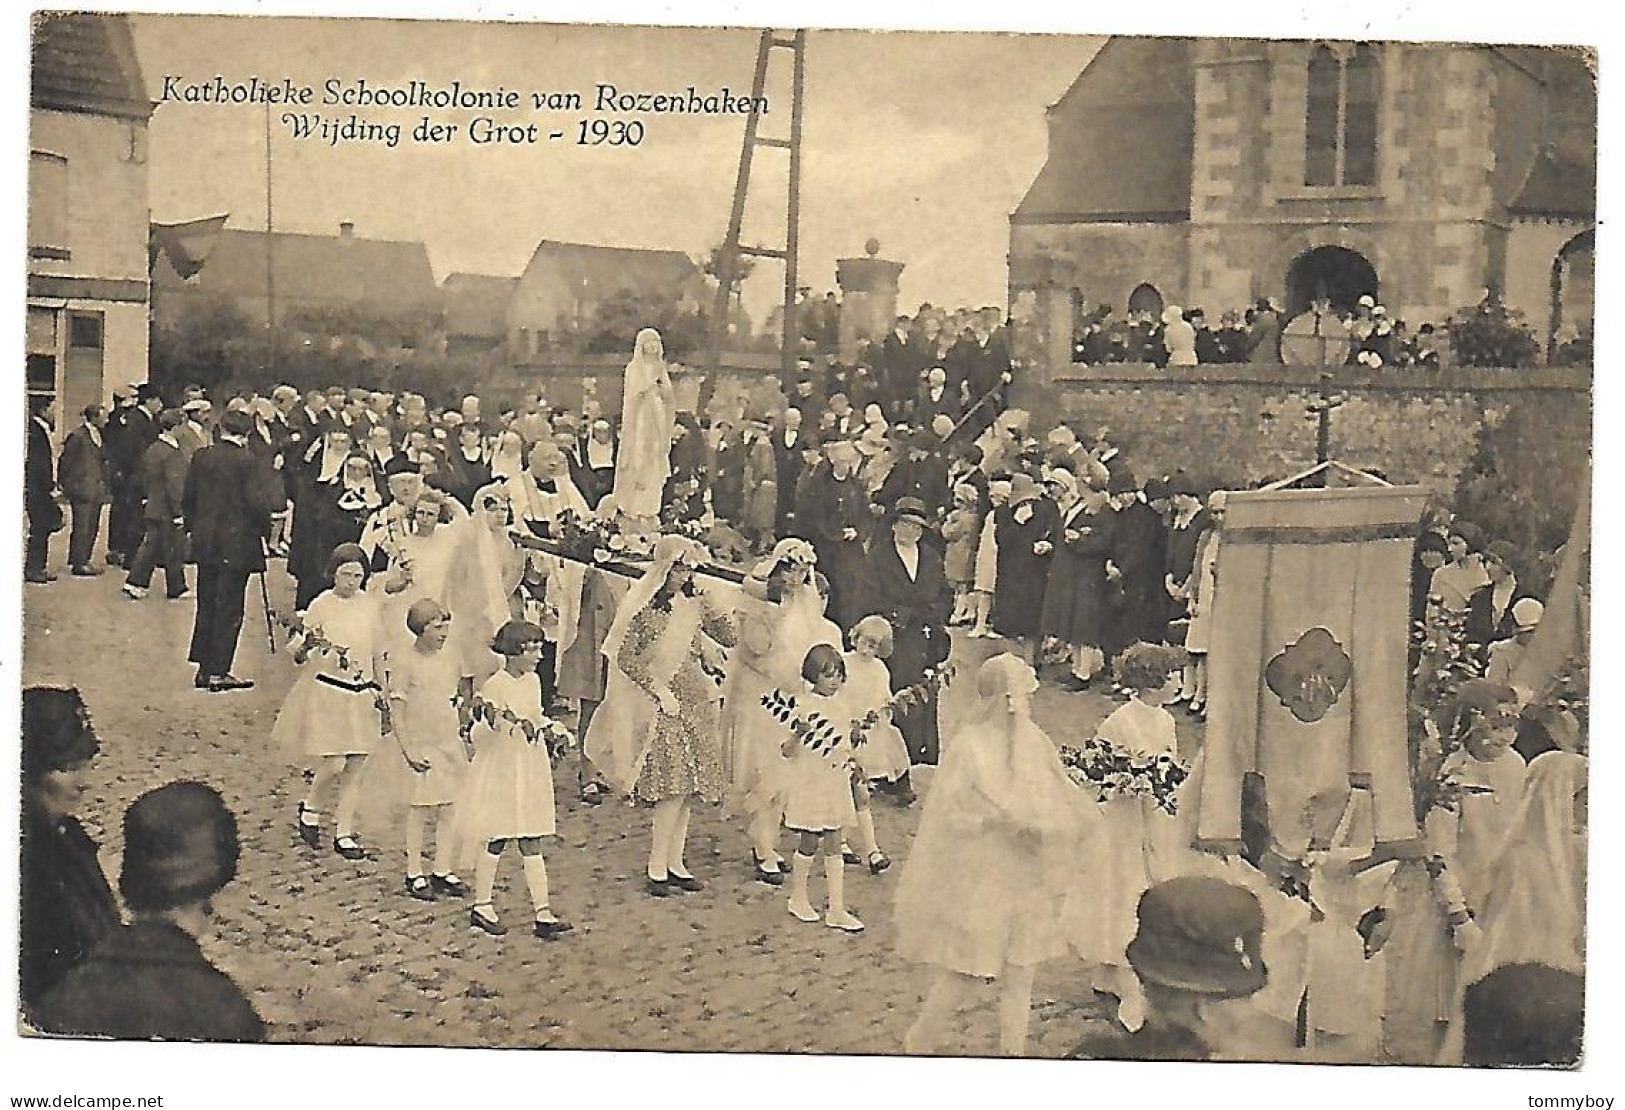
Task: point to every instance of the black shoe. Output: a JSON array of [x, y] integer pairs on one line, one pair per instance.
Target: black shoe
[[771, 878], [420, 888], [659, 888], [686, 882], [310, 834], [225, 682], [87, 572], [449, 885], [350, 848], [878, 863], [849, 856], [41, 579], [1074, 684], [552, 930], [203, 681], [486, 924]]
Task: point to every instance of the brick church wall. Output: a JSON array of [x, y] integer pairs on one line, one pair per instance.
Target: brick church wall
[[1243, 425]]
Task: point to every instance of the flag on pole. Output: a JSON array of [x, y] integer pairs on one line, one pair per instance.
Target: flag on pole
[[1565, 632], [1307, 664]]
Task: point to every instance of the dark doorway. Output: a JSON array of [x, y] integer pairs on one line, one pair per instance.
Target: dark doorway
[[1145, 298], [1337, 273]]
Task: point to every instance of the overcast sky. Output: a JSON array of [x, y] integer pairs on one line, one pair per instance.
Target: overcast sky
[[924, 141]]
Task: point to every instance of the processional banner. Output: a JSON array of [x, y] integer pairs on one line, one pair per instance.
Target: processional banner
[[1307, 661]]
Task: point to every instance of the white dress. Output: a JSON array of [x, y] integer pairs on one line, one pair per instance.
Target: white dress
[[1136, 845], [426, 721], [509, 788], [818, 785], [332, 708], [987, 558], [883, 754]]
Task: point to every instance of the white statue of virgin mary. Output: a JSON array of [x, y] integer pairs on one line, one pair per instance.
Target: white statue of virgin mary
[[648, 414]]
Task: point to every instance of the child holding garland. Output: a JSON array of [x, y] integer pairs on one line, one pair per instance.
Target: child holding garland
[[818, 787], [883, 755], [508, 794]]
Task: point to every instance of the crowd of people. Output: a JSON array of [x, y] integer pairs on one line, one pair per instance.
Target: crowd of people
[[454, 659], [1363, 335]]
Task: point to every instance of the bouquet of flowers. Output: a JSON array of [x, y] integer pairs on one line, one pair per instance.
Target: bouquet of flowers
[[588, 539], [1113, 772]]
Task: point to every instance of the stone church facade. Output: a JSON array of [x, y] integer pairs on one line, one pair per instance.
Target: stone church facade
[[1217, 172]]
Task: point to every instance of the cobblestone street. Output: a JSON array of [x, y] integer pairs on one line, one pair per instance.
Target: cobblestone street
[[336, 952]]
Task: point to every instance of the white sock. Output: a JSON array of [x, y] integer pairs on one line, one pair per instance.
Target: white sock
[[415, 818], [444, 842], [485, 878], [866, 833], [536, 880], [349, 801], [800, 875], [835, 880]]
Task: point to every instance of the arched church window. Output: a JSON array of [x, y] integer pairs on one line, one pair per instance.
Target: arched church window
[[1340, 116]]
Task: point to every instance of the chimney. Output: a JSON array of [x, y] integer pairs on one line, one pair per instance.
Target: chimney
[[346, 229]]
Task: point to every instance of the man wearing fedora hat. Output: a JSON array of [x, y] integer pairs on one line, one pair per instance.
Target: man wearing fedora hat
[[67, 906], [1199, 941], [150, 980], [130, 432], [227, 503]]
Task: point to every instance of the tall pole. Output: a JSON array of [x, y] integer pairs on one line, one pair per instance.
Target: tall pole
[[270, 268], [792, 329]]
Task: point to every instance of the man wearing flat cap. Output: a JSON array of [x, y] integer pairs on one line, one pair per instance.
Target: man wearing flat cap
[[227, 503], [149, 980], [67, 906], [1199, 940]]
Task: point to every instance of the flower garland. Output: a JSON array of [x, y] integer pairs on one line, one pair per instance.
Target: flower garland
[[821, 736], [473, 709], [1114, 772]]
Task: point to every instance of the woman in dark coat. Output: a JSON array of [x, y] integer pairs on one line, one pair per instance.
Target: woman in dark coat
[[67, 904], [1025, 532], [916, 604], [1079, 600]]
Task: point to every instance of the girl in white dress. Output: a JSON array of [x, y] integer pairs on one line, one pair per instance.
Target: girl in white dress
[[1140, 843], [1198, 593], [508, 794], [422, 683], [330, 721], [883, 755], [986, 568], [982, 893], [818, 787]]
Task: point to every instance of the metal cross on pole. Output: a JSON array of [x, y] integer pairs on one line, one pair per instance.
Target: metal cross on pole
[[1322, 408]]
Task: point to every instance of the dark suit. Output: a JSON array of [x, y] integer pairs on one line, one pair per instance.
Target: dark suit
[[926, 409], [787, 465], [39, 499], [917, 609], [825, 509], [727, 468], [227, 503], [127, 442], [150, 981], [82, 470], [163, 477], [1484, 625]]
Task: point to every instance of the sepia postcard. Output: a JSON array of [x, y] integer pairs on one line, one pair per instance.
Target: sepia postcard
[[807, 541]]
